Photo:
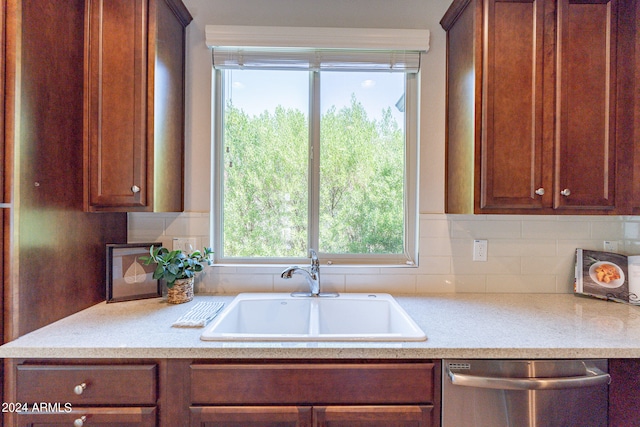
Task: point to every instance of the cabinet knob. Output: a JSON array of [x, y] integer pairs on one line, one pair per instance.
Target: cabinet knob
[[566, 192], [79, 388], [135, 189], [540, 191], [79, 422]]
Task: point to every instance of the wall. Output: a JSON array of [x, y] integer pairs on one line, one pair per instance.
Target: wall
[[526, 253]]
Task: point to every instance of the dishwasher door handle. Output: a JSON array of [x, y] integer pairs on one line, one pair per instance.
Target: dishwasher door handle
[[594, 377]]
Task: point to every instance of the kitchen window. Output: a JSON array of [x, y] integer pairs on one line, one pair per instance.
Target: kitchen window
[[315, 148]]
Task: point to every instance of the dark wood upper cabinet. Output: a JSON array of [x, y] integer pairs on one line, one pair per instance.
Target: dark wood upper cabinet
[[134, 105], [532, 106]]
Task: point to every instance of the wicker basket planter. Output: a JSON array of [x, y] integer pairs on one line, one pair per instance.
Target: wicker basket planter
[[182, 291], [173, 264]]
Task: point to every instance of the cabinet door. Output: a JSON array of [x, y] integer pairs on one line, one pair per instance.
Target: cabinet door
[[166, 116], [372, 416], [94, 417], [251, 416], [586, 104], [512, 105], [116, 99], [624, 399]]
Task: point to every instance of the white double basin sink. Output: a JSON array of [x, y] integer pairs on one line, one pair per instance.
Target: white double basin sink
[[283, 317]]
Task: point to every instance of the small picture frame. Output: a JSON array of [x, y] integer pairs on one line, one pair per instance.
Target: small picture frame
[[127, 276]]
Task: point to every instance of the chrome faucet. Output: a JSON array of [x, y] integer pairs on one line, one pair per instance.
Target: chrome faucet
[[311, 274]]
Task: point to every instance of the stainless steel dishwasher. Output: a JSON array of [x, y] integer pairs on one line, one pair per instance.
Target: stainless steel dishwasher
[[525, 393]]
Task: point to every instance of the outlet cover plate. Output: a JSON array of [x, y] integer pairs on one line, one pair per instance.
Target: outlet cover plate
[[480, 250], [185, 244]]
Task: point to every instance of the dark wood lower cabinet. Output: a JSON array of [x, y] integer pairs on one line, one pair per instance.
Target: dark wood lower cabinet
[[311, 383], [248, 393], [316, 416], [87, 384], [374, 416], [94, 417], [90, 393], [315, 394], [224, 393], [624, 393], [250, 416]]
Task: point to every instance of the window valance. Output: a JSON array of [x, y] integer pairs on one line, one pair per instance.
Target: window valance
[[311, 48]]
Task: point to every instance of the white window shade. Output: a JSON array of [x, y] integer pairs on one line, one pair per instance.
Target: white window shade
[[317, 60], [314, 48]]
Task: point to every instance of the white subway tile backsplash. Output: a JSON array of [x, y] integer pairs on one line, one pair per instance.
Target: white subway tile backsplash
[[440, 246], [236, 283], [435, 227], [541, 229], [451, 283], [632, 247], [607, 230], [521, 284], [523, 247], [165, 226], [461, 246], [333, 283], [297, 283], [190, 225], [631, 230], [350, 271], [430, 283], [487, 228], [493, 266], [266, 270], [434, 265], [526, 253], [143, 228], [398, 284], [568, 247], [565, 281], [540, 265]]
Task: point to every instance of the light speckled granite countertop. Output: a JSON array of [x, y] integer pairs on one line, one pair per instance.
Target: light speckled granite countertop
[[457, 326]]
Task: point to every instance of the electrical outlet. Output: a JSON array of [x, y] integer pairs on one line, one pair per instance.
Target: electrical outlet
[[480, 250], [610, 246], [185, 244]]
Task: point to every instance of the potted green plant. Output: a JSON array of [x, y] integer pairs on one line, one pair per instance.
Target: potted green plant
[[178, 269]]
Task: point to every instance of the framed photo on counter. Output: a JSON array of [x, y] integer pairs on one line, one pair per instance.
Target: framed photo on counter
[[127, 276]]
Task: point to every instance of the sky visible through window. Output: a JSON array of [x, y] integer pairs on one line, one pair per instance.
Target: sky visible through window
[[376, 91]]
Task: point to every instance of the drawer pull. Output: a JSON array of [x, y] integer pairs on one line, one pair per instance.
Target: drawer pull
[[79, 422], [566, 192], [79, 389]]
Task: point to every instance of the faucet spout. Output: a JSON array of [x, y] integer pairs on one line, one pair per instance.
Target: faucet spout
[[311, 274], [312, 280]]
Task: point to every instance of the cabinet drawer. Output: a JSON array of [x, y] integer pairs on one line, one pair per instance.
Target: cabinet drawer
[[371, 383], [103, 384], [116, 417], [373, 416], [250, 416]]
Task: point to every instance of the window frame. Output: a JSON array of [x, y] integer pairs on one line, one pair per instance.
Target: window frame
[[411, 179]]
